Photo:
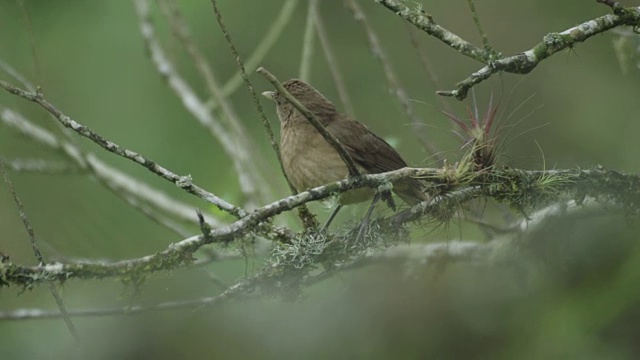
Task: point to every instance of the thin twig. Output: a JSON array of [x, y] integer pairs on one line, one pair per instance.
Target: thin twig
[[105, 173], [32, 40], [306, 217], [422, 54], [125, 185], [392, 79], [181, 31], [231, 292], [523, 62], [351, 165], [237, 154], [150, 213], [17, 76], [36, 251], [263, 47], [43, 166], [308, 42], [614, 5], [552, 43], [247, 82], [183, 182], [476, 20], [23, 214], [425, 62], [330, 56]]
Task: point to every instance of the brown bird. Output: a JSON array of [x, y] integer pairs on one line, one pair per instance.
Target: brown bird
[[310, 161]]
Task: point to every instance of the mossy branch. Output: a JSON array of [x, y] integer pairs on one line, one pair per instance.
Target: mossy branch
[[521, 63], [522, 190]]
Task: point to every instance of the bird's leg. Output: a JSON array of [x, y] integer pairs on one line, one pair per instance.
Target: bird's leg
[[386, 196], [367, 218], [333, 215]]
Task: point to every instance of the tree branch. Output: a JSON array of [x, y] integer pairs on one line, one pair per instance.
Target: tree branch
[[115, 180], [183, 182], [425, 22], [521, 63], [518, 188]]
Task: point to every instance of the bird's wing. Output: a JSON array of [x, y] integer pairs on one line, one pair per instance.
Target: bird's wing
[[366, 148]]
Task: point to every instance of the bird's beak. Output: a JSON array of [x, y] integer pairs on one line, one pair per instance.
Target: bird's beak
[[269, 95]]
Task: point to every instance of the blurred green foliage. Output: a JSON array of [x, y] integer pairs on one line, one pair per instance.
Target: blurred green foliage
[[576, 296]]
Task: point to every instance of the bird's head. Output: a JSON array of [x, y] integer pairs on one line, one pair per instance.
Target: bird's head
[[307, 95]]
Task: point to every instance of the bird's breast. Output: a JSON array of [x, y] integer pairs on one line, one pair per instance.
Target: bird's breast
[[308, 159]]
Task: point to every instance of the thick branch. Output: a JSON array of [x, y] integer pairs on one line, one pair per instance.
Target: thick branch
[[514, 186], [180, 254]]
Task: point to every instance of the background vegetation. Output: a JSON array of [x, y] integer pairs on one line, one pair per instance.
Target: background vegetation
[[574, 295]]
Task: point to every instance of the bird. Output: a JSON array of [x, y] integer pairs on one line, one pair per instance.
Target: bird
[[309, 160]]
